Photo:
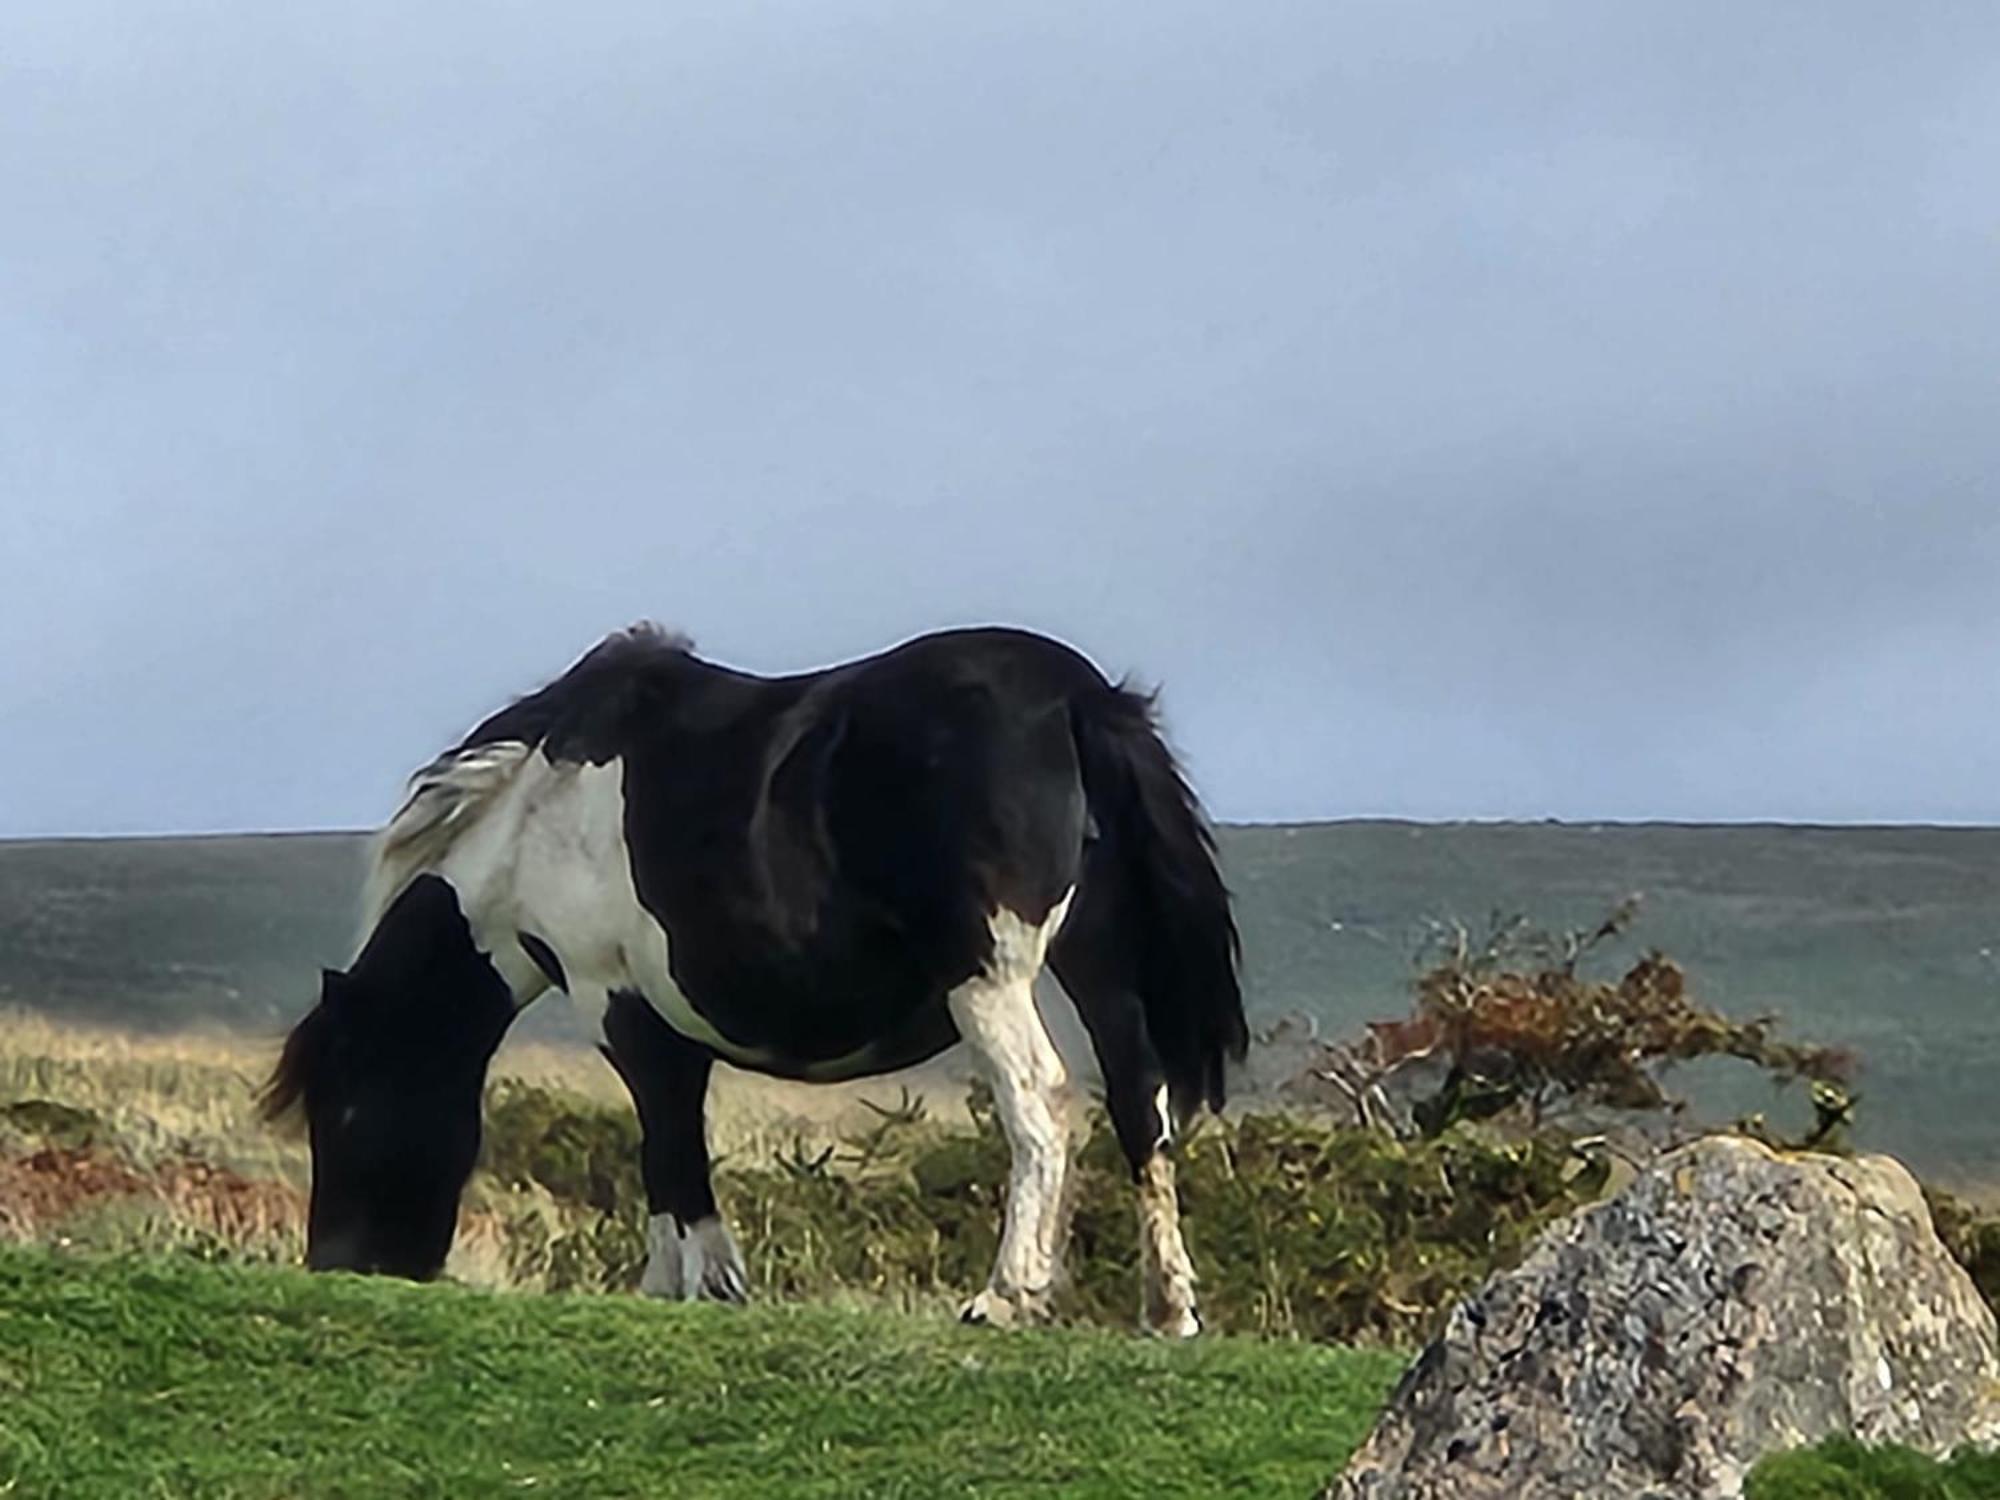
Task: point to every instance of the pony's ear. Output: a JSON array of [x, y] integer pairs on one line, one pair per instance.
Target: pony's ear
[[334, 984]]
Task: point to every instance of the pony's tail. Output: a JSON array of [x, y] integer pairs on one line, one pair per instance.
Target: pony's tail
[[1184, 939]]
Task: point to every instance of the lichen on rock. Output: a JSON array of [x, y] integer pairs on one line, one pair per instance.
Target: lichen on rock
[[1731, 1301]]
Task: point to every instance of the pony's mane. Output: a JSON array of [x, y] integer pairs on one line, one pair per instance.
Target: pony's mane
[[583, 714]]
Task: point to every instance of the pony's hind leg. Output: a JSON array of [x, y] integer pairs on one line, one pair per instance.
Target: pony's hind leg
[[1092, 964], [389, 1066], [1166, 1274], [690, 1252], [1135, 1096]]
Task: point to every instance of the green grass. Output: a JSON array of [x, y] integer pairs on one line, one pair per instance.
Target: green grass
[[168, 1377], [1846, 1470]]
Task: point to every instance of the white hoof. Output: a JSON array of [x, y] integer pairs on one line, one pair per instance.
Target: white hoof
[[996, 1309], [1184, 1324], [699, 1261]]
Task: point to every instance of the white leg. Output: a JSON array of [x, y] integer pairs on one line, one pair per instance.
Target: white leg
[[996, 1015], [694, 1261], [1166, 1275]]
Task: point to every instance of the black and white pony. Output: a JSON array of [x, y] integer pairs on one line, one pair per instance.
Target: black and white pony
[[822, 876]]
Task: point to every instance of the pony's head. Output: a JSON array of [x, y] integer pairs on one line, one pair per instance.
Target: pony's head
[[395, 1131]]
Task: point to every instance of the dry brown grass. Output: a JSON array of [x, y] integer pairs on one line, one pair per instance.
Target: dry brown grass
[[180, 1156], [160, 1095], [195, 1093]]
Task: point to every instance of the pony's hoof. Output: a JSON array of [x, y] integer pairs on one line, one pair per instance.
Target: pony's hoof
[[725, 1281], [694, 1262], [994, 1309], [1183, 1324]]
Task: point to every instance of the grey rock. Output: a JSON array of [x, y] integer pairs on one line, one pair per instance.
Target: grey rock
[[1731, 1301]]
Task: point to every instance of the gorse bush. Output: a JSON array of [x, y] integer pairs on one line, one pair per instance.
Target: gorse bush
[[1518, 1029], [1297, 1228], [1348, 1234]]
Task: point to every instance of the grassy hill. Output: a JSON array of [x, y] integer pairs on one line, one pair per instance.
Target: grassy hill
[[168, 934], [1881, 938], [166, 1377], [172, 1378]]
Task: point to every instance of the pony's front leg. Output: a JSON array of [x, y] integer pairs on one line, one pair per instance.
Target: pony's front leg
[[690, 1252], [999, 1021]]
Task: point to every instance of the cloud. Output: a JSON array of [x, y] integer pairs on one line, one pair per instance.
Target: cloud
[[1464, 409]]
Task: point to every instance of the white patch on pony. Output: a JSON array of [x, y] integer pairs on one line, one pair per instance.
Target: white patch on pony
[[444, 799], [529, 845], [1166, 1275], [995, 1013], [698, 1261], [570, 883]]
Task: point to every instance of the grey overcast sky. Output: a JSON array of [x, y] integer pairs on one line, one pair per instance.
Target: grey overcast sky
[[1464, 409]]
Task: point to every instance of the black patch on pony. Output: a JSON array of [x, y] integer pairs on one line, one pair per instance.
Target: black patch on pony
[[591, 711], [545, 959]]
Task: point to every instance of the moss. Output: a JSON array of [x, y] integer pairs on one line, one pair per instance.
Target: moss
[[1972, 1235], [1842, 1469], [37, 1123]]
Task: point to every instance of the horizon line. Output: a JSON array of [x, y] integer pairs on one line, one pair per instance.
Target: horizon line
[[1855, 825]]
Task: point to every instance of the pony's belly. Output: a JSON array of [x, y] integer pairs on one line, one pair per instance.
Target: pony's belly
[[806, 1035]]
